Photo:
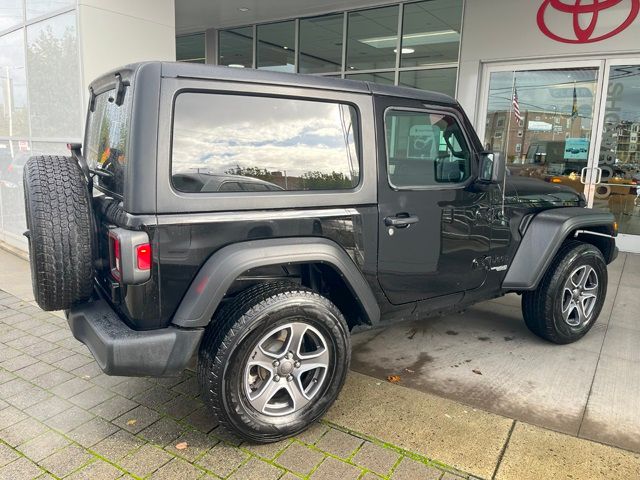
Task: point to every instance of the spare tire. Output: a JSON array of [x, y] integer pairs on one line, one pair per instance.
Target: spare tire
[[60, 231]]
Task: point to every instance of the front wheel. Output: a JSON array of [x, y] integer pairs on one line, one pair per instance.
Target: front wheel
[[570, 296], [273, 361]]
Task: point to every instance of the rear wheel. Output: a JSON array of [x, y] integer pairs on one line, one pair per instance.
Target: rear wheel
[[570, 296], [60, 231], [273, 361]]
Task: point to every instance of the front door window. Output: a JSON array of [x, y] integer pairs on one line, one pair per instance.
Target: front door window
[[542, 121]]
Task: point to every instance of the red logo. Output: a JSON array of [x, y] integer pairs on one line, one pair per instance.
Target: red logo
[[589, 11]]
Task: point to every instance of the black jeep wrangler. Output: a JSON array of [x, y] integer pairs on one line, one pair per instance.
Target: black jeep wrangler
[[255, 218]]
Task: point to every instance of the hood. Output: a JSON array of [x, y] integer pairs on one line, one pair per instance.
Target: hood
[[534, 191]]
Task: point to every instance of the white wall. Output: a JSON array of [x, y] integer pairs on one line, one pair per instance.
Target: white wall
[[502, 30], [113, 33]]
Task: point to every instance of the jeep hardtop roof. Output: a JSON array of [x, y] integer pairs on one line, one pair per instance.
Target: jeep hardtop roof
[[249, 75]]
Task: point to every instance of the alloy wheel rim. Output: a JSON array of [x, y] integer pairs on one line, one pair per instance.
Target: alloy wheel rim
[[286, 369], [580, 296]]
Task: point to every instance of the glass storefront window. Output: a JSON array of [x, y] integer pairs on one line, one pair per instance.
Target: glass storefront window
[[10, 13], [431, 32], [236, 47], [442, 80], [383, 78], [190, 48], [430, 45], [619, 159], [35, 8], [276, 47], [14, 113], [372, 38], [551, 141], [321, 44], [54, 78]]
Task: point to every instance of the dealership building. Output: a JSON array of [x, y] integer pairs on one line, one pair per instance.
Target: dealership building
[[552, 84]]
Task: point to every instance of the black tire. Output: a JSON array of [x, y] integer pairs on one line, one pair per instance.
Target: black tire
[[543, 308], [230, 340], [61, 233]]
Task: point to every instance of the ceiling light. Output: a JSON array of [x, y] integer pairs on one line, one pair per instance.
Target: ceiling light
[[414, 39], [243, 9], [404, 50]]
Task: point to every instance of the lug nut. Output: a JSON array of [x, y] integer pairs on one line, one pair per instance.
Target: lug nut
[[290, 378], [276, 363], [297, 364], [276, 378], [289, 356]]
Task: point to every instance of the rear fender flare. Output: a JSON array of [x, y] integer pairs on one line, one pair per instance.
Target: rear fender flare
[[543, 238], [219, 272]]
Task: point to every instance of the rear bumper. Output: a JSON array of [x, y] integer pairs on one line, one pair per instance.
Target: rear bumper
[[120, 350]]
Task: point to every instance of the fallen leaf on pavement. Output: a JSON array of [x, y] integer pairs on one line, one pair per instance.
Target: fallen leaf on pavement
[[476, 371], [393, 379], [181, 446], [133, 421]]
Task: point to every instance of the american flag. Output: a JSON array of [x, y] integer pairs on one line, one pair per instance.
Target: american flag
[[516, 105]]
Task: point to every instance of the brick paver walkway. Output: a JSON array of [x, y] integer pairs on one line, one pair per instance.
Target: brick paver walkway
[[61, 417]]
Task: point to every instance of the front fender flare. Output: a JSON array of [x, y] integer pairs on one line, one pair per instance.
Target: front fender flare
[[542, 240], [218, 273]]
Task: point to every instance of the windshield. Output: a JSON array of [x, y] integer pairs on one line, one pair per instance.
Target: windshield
[[107, 140]]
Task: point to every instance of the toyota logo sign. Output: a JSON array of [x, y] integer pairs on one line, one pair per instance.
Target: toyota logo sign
[[586, 18]]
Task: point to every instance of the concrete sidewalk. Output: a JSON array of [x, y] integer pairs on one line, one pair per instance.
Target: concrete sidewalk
[[61, 417], [589, 389]]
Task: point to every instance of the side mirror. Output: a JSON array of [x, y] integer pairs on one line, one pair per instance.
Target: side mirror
[[492, 168]]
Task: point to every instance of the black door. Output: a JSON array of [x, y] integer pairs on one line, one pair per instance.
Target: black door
[[434, 228]]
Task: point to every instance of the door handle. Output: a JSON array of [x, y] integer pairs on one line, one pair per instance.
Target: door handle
[[599, 177], [583, 175], [401, 220]]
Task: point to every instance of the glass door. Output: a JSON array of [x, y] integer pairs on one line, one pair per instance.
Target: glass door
[[617, 186], [541, 117]]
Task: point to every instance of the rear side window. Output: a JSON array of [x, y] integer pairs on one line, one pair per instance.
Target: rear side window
[[425, 150], [240, 143], [107, 139]]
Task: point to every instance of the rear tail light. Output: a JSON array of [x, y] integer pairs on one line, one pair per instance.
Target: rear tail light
[[130, 256], [115, 257], [143, 256]]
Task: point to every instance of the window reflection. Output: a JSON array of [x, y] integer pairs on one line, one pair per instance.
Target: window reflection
[[430, 37], [263, 144], [383, 78], [54, 78], [619, 158], [14, 113], [190, 48], [107, 142], [552, 138], [372, 38], [425, 150], [441, 80], [431, 32], [35, 8], [236, 47], [276, 47], [10, 13], [321, 44]]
